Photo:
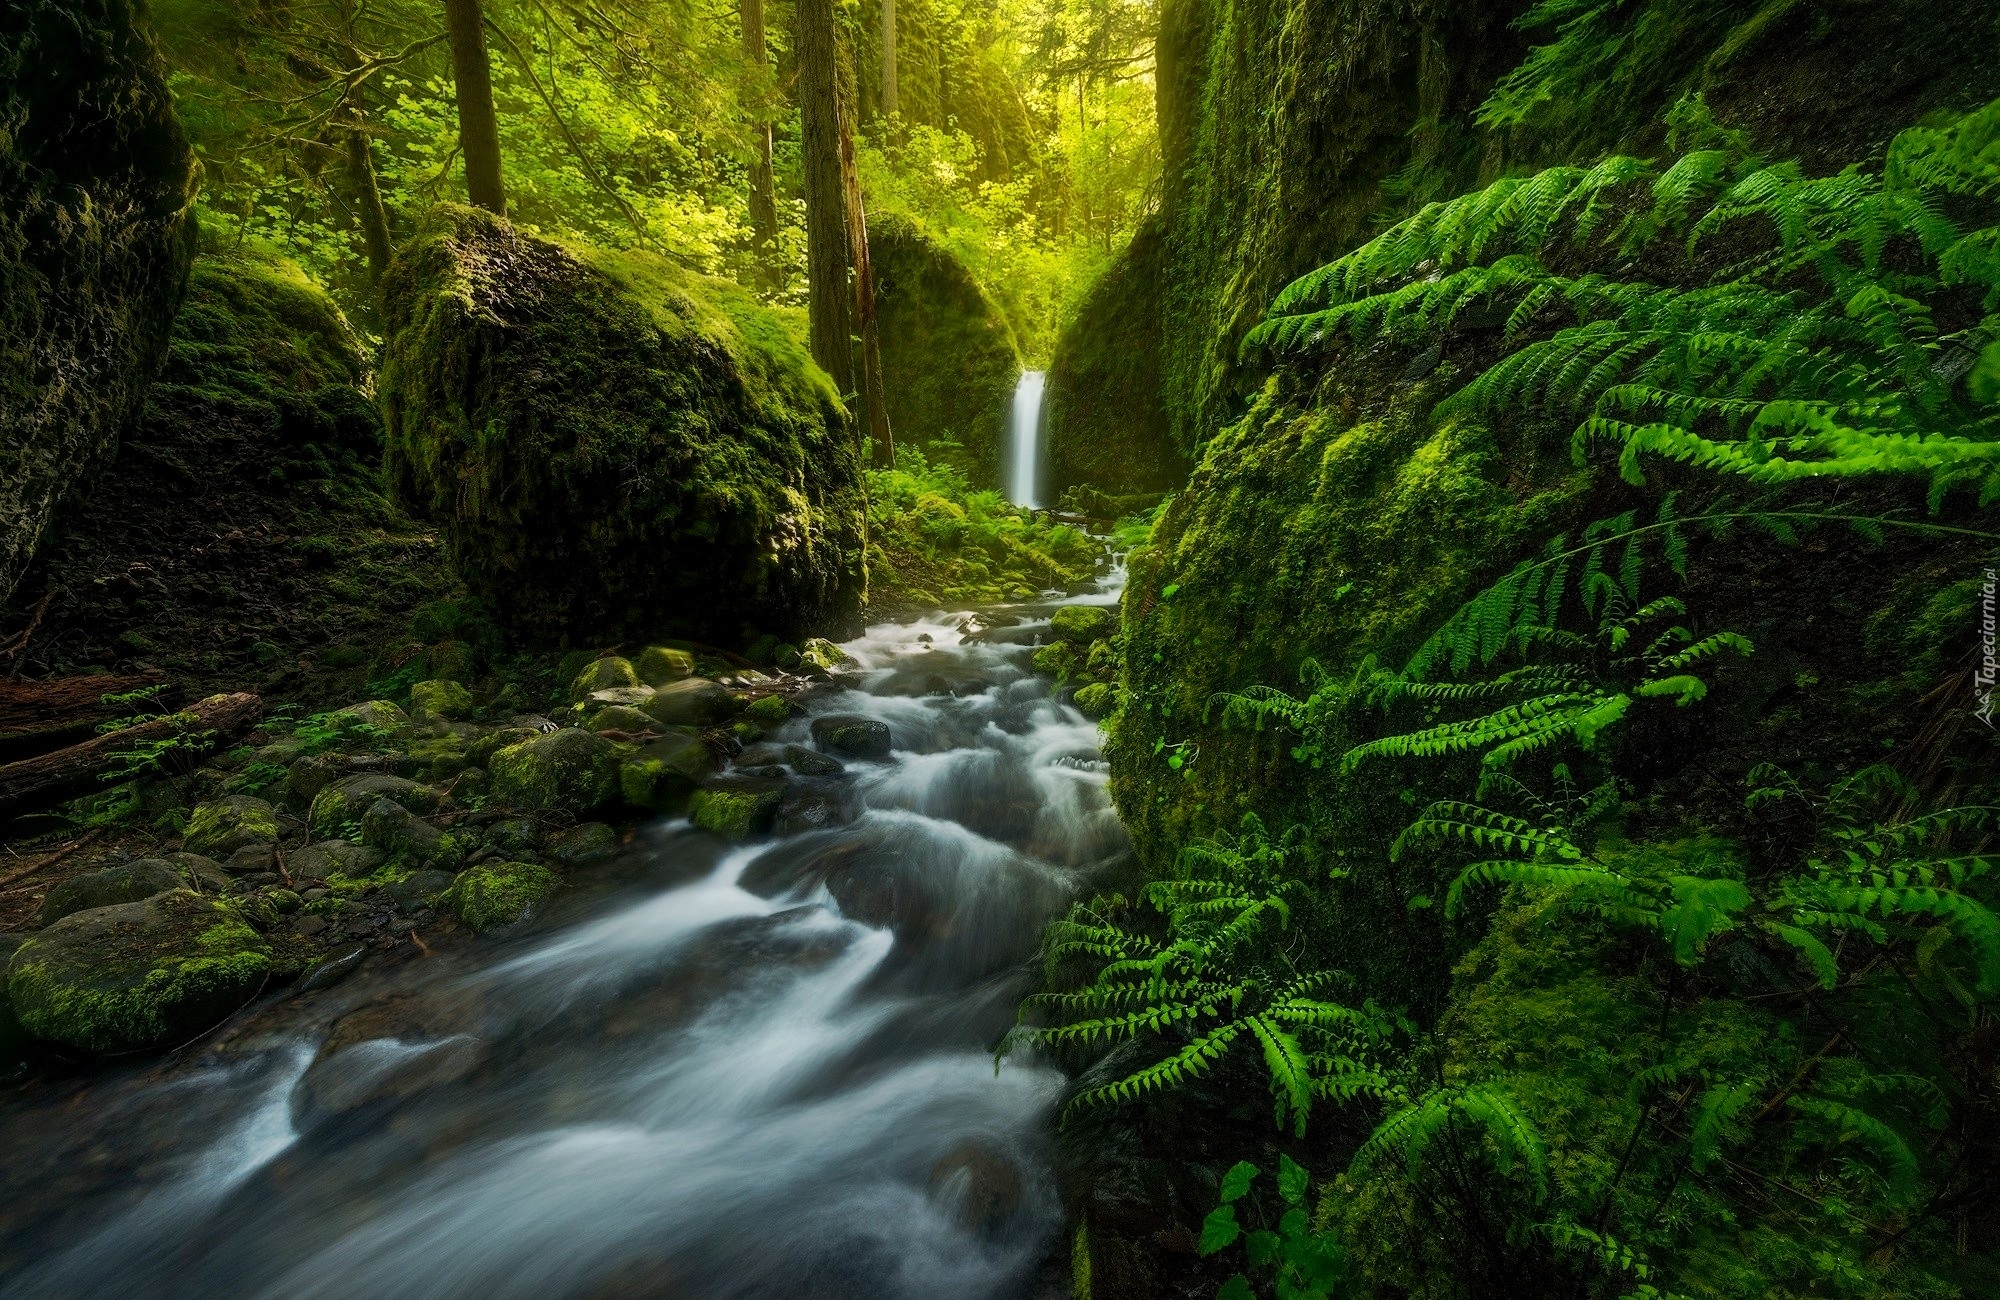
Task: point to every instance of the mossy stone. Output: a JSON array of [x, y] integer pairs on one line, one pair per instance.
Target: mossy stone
[[1082, 624], [1096, 699], [495, 894], [222, 826], [137, 975], [819, 657], [621, 717], [582, 845], [440, 701], [852, 736], [126, 883], [344, 801], [664, 774], [769, 711], [330, 858], [569, 770], [661, 664], [406, 839], [1057, 659], [736, 811], [655, 450], [695, 702], [371, 719], [604, 674]]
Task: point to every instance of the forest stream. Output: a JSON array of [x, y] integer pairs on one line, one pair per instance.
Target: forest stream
[[724, 1070]]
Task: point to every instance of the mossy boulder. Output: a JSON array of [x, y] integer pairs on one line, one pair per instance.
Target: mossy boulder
[[407, 840], [949, 358], [612, 672], [1096, 700], [819, 657], [569, 770], [659, 665], [769, 711], [239, 821], [496, 894], [1104, 420], [737, 807], [127, 882], [96, 219], [440, 701], [694, 702], [344, 801], [370, 720], [137, 975], [851, 736], [336, 857], [612, 445], [1080, 625], [664, 774]]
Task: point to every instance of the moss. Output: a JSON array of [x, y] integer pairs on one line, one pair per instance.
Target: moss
[[1082, 624], [220, 827], [609, 673], [770, 711], [96, 187], [441, 700], [570, 770], [733, 813], [663, 776], [136, 976], [343, 802], [661, 664], [949, 359], [635, 448], [340, 885], [496, 894], [1096, 699]]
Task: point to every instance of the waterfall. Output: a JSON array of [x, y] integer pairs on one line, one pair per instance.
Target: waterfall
[[1024, 459]]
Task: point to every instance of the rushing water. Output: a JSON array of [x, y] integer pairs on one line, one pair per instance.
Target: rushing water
[[1025, 454], [756, 1070]]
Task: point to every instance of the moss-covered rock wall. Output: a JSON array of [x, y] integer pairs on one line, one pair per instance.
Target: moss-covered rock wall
[[949, 358], [1104, 415], [96, 186], [612, 445]]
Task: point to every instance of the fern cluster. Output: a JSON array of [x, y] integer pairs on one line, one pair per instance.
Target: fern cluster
[[1802, 338]]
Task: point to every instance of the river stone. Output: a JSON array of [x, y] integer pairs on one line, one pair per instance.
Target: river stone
[[404, 838], [692, 702], [347, 799], [604, 674], [621, 717], [203, 875], [979, 1183], [819, 657], [1095, 700], [736, 807], [370, 718], [384, 1070], [855, 737], [580, 845], [418, 888], [481, 751], [495, 894], [661, 665], [515, 835], [769, 711], [1081, 624], [440, 701], [663, 775], [126, 883], [810, 762], [570, 770], [220, 827], [137, 975], [335, 858], [332, 969]]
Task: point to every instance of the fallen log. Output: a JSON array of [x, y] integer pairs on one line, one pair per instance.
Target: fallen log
[[49, 778], [36, 716]]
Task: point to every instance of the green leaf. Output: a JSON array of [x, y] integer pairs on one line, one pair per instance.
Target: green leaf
[[1218, 1230], [1237, 1181], [1236, 1288], [1291, 1181]]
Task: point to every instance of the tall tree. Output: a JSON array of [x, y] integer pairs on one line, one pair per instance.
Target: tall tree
[[369, 210], [478, 123], [763, 188], [874, 398], [829, 304], [888, 57]]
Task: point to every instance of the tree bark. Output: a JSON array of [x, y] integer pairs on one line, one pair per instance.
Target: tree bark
[[46, 779], [874, 398], [829, 302], [478, 123], [368, 197], [763, 187], [888, 58]]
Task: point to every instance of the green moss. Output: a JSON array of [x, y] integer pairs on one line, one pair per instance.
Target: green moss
[[1096, 699], [609, 673], [770, 711], [496, 894], [446, 700], [220, 827], [612, 444], [949, 357], [1082, 624], [733, 814], [571, 770], [1057, 659]]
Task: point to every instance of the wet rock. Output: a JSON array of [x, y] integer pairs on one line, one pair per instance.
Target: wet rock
[[252, 859], [311, 774], [377, 719], [760, 755], [403, 837], [736, 807], [769, 711], [514, 835], [309, 925], [819, 657], [496, 894], [346, 800], [981, 1185], [332, 969], [815, 810], [203, 875], [620, 717], [1095, 700], [607, 673], [660, 664], [570, 770], [810, 762], [855, 737], [692, 702], [481, 751], [222, 826], [439, 701], [137, 975], [127, 883], [418, 888], [335, 858], [384, 1070], [1082, 624], [581, 845]]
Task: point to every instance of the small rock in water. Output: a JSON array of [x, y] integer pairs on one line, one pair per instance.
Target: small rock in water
[[810, 762], [855, 737], [331, 970], [980, 1184]]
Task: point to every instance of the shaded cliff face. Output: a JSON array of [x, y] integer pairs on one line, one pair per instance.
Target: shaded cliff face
[[96, 185]]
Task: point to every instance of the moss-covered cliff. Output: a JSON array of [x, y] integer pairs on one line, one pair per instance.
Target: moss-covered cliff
[[612, 445], [949, 359], [96, 186]]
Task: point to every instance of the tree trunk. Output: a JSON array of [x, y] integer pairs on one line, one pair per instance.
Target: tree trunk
[[763, 188], [874, 398], [829, 304], [368, 197], [478, 124], [39, 782], [888, 58]]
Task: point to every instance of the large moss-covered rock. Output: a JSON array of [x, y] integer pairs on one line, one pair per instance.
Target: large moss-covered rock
[[136, 975], [222, 826], [127, 882], [949, 359], [613, 445], [1105, 422], [96, 191], [570, 770], [496, 894]]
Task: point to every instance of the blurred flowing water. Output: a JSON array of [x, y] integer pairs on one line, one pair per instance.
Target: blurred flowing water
[[751, 1070]]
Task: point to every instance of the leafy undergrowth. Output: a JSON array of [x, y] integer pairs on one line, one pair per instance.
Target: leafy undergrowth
[[934, 540]]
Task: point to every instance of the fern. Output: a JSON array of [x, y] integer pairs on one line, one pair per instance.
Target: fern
[[1410, 1131]]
